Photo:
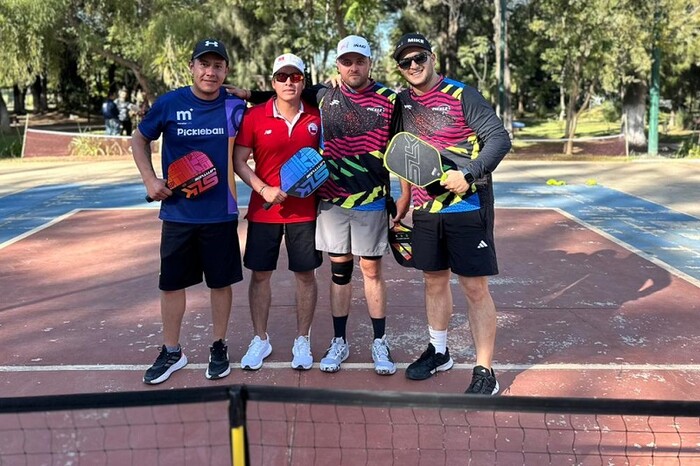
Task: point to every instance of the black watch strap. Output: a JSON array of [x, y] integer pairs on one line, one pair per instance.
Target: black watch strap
[[469, 177]]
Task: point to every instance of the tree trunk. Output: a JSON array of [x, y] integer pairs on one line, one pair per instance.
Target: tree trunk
[[450, 51], [634, 110], [571, 117], [339, 18], [562, 103], [573, 114], [507, 111], [4, 116], [500, 34], [38, 90], [18, 96]]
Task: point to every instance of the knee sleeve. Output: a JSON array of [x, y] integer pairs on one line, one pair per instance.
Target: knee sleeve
[[341, 272]]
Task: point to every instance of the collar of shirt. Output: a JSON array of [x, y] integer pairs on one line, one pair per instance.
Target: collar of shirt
[[290, 124]]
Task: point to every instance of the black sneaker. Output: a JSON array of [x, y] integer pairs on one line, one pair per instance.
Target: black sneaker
[[219, 366], [483, 382], [429, 363], [166, 363]]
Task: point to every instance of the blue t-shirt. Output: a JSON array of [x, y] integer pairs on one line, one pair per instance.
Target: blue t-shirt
[[189, 123]]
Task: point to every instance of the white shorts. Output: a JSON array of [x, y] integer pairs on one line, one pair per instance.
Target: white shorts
[[341, 231]]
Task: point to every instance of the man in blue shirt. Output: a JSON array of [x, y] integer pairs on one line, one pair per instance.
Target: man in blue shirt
[[199, 235]]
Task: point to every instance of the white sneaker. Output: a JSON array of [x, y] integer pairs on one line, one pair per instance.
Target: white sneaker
[[303, 359], [257, 351], [336, 353], [383, 364]]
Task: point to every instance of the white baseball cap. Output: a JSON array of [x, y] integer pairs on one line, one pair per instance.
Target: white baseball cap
[[355, 44], [288, 59]]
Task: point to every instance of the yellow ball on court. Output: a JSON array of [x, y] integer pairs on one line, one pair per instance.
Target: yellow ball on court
[[553, 182]]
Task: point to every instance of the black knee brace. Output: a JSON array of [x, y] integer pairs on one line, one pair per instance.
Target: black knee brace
[[341, 272]]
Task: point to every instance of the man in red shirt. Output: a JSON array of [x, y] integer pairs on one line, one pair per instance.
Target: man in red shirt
[[273, 132]]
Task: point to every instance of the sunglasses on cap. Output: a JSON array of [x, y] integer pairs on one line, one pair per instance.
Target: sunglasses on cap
[[405, 63], [282, 77]]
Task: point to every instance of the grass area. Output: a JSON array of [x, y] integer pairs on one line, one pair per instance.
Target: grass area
[[10, 145], [591, 123]]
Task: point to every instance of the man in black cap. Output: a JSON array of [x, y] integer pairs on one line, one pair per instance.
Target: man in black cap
[[452, 220], [199, 237]]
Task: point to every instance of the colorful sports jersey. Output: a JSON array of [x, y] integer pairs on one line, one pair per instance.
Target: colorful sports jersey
[[355, 135], [461, 124], [272, 145], [189, 123]]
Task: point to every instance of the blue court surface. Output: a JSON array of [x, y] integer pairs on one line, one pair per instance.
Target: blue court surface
[[657, 233]]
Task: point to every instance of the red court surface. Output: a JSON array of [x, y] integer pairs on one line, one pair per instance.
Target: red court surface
[[579, 315]]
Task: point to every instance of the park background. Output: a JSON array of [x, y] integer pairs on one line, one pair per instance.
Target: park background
[[562, 68]]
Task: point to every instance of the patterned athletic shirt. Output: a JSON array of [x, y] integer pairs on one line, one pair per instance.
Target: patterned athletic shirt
[[461, 124], [355, 132]]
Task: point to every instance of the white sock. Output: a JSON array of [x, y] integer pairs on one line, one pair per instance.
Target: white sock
[[439, 339]]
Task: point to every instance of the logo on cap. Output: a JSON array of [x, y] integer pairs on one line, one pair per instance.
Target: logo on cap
[[354, 44], [207, 43]]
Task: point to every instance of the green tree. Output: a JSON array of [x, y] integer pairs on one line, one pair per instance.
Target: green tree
[[262, 30]]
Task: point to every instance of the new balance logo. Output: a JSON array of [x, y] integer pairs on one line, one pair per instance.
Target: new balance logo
[[267, 131], [482, 245]]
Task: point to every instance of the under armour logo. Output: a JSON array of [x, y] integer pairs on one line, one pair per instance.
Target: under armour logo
[[213, 42]]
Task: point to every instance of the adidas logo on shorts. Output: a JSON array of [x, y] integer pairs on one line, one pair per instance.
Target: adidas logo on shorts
[[482, 244]]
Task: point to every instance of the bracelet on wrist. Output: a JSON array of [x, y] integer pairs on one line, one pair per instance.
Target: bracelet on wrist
[[262, 189]]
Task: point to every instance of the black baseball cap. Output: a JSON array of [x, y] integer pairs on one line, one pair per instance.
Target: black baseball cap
[[210, 46], [412, 39]]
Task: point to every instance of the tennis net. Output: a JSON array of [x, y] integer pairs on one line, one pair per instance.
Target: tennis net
[[269, 425]]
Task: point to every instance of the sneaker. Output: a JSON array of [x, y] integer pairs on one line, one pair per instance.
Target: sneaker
[[219, 366], [166, 363], [257, 351], [483, 382], [336, 353], [383, 364], [303, 359], [429, 363]]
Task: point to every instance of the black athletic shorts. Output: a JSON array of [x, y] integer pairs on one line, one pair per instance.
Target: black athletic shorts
[[461, 241], [188, 251], [263, 242]]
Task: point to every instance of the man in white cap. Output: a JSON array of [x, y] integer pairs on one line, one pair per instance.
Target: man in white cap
[[352, 219], [273, 132]]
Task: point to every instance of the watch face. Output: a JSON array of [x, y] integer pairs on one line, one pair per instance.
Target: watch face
[[469, 177]]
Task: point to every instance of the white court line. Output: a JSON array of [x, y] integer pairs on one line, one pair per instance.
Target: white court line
[[369, 366], [39, 228], [654, 260]]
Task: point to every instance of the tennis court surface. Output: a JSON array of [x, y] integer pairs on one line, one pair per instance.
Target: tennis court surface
[[598, 297]]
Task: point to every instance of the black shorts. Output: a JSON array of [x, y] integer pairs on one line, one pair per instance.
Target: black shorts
[[188, 251], [262, 247], [462, 242]]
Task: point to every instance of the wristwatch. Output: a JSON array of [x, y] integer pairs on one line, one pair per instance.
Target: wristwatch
[[469, 177]]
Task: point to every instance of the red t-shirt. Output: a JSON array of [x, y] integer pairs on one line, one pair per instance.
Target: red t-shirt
[[273, 145]]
